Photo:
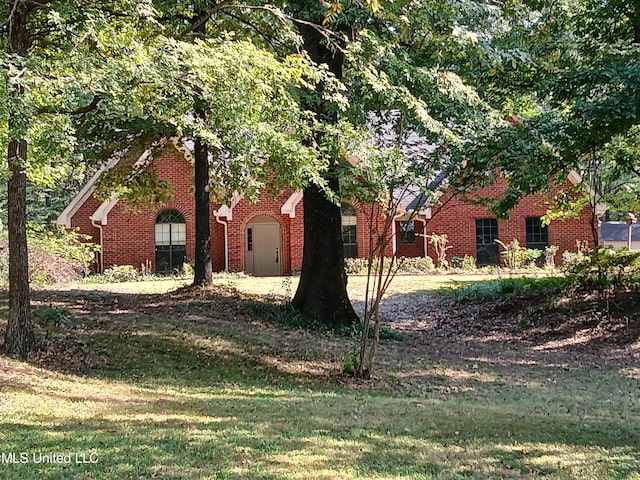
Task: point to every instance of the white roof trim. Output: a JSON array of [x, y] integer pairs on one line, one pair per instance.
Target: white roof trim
[[100, 215], [289, 207], [421, 215], [227, 210], [183, 148], [64, 219], [574, 177]]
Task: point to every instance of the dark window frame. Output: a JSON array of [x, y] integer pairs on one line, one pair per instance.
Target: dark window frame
[[349, 231], [407, 231], [487, 233], [536, 234], [170, 257]]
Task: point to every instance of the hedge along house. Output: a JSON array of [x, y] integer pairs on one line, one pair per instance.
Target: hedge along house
[[263, 238]]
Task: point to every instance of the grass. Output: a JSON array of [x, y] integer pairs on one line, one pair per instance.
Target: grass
[[191, 386], [508, 287]]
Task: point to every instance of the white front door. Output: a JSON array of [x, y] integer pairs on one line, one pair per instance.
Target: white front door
[[264, 253]]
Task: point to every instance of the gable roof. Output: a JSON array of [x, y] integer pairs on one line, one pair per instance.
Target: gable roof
[[102, 212], [100, 215], [64, 219]]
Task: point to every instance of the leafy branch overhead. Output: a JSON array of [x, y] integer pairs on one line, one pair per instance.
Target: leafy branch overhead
[[252, 120]]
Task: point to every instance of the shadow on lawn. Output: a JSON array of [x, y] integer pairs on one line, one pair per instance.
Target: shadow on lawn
[[550, 320], [229, 434], [194, 337], [210, 351]]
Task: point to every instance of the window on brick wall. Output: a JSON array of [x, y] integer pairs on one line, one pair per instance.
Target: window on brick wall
[[349, 231], [407, 232], [486, 246], [537, 234], [171, 241]]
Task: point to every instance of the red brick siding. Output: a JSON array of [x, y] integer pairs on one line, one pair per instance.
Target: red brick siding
[[457, 220], [370, 221], [129, 236], [81, 220], [296, 228]]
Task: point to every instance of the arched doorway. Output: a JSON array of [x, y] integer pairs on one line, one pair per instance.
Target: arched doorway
[[263, 249], [171, 241]]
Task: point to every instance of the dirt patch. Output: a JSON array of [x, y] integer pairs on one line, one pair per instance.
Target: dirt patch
[[450, 344]]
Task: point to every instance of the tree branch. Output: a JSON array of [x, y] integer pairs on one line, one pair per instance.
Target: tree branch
[[267, 38], [93, 105], [205, 18]]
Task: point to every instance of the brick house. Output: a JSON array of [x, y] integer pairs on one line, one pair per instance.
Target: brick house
[[472, 230], [263, 238], [266, 238]]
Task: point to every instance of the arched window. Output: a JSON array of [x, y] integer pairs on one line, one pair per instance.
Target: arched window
[[171, 241], [349, 230]]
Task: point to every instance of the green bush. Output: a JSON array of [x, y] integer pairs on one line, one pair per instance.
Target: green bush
[[516, 257], [466, 263], [503, 288], [355, 266], [55, 256], [416, 265], [607, 267], [52, 320], [121, 273]]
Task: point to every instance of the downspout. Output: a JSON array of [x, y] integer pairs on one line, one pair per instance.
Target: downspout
[[101, 254], [394, 239], [424, 235], [226, 240]]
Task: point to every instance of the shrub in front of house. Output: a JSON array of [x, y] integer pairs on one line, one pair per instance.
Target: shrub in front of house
[[414, 265], [55, 256]]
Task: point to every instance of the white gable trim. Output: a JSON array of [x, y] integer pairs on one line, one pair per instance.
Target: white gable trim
[[183, 148], [227, 210], [289, 207], [574, 177], [101, 214], [64, 219]]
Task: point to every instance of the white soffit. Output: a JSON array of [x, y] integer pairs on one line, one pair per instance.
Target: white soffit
[[227, 210]]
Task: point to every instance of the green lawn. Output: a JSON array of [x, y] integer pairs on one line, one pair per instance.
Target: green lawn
[[191, 386]]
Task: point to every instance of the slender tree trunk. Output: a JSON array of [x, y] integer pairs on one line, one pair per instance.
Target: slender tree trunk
[[19, 337], [203, 269], [322, 294], [202, 274]]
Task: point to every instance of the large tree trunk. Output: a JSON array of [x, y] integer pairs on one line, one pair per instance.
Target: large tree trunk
[[19, 339], [202, 274], [322, 295], [322, 292]]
